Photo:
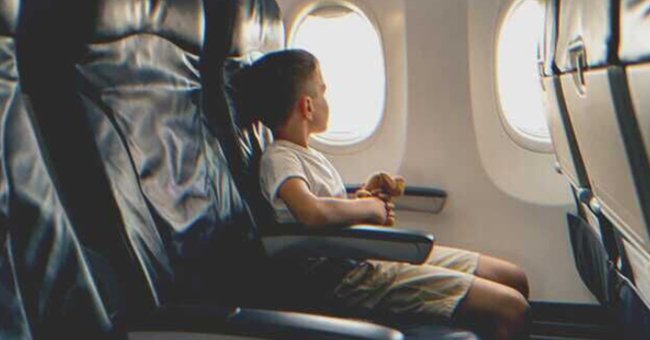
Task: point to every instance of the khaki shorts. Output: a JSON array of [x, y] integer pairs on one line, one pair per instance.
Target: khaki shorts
[[434, 288]]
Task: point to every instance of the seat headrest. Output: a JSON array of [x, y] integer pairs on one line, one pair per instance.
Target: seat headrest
[[180, 21], [8, 17], [586, 22], [257, 28], [635, 25]]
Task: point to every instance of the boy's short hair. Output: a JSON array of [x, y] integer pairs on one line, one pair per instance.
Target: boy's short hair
[[269, 88]]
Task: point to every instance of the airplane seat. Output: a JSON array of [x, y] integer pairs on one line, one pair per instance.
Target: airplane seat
[[256, 29], [598, 103], [48, 285], [592, 238], [141, 91]]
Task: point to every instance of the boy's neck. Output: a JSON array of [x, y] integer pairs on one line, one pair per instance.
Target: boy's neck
[[297, 135]]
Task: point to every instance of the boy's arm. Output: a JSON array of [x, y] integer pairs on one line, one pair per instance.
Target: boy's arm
[[314, 211]]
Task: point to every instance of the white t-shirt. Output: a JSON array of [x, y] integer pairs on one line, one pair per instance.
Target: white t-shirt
[[283, 160]]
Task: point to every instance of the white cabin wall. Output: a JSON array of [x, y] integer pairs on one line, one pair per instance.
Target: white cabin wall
[[503, 200], [443, 150]]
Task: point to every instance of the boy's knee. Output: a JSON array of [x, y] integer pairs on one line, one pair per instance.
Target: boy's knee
[[518, 306], [505, 273], [500, 311], [521, 281], [514, 311]]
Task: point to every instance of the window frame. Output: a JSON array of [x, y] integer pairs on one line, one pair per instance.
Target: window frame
[[521, 138], [356, 145]]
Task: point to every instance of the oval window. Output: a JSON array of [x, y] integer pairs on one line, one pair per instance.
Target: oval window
[[352, 62], [518, 79]]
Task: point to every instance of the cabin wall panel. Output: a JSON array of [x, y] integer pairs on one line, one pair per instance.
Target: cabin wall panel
[[502, 208]]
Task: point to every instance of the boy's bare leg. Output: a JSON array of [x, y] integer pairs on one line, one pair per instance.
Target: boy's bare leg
[[498, 311], [503, 272]]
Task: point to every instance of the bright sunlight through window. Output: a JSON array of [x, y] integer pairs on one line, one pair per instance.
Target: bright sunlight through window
[[352, 63], [519, 86]]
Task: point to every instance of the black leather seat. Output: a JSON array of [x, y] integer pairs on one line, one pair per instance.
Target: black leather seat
[[47, 285]]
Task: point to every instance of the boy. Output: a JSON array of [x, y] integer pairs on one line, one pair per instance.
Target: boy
[[286, 91]]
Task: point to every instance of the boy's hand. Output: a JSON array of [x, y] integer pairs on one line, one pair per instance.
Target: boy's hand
[[383, 212], [390, 214], [390, 206], [377, 209]]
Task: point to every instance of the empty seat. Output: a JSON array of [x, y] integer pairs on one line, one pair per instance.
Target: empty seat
[[140, 89], [47, 286]]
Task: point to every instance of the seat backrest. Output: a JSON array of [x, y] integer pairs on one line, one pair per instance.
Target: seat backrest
[[49, 287], [140, 88]]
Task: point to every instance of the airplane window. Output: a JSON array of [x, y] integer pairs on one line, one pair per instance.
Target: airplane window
[[518, 80], [352, 62]]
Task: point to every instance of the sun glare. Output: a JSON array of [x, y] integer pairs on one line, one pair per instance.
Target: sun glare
[[520, 90]]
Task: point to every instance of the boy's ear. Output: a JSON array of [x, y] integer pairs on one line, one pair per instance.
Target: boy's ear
[[306, 106]]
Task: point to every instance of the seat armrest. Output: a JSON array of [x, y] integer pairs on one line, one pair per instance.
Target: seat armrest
[[258, 323], [356, 242], [415, 198]]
